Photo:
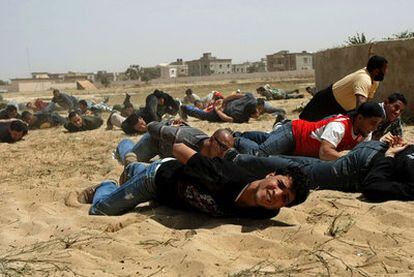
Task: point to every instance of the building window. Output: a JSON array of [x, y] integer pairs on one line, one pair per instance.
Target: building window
[[305, 60], [228, 66], [220, 66]]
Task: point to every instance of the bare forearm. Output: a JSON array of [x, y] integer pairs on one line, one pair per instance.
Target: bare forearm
[[182, 152]]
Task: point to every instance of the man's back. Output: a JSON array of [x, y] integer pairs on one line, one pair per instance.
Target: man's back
[[241, 109]]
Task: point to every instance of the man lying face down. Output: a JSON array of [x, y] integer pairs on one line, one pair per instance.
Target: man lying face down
[[194, 182]]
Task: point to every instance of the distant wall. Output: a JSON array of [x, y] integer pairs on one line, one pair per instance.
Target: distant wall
[[23, 86], [333, 64], [264, 76]]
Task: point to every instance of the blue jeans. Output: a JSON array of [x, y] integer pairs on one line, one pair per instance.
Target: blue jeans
[[109, 199], [257, 143], [344, 174], [201, 114], [268, 108], [145, 149]]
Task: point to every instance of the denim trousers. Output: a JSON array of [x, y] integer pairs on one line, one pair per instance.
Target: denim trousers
[[145, 149], [280, 141], [201, 114], [109, 199], [343, 174], [268, 108]]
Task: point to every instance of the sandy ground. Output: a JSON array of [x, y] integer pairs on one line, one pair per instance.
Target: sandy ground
[[333, 233]]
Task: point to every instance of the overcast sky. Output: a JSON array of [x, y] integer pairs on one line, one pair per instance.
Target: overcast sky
[[91, 35]]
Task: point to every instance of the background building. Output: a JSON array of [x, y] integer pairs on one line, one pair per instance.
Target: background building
[[209, 65], [283, 60]]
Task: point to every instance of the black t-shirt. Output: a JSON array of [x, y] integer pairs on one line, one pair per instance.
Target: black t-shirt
[[209, 185], [89, 123], [4, 132], [390, 178]]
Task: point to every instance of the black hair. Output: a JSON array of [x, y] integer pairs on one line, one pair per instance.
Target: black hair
[[129, 123], [370, 109], [83, 102], [376, 62], [25, 115], [73, 114], [189, 90], [19, 126], [300, 185], [397, 96], [11, 108], [261, 101], [197, 101]]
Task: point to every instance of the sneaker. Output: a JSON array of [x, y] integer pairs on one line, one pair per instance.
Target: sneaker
[[86, 196]]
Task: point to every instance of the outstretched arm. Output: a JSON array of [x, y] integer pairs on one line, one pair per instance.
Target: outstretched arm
[[182, 152], [328, 152], [222, 115]]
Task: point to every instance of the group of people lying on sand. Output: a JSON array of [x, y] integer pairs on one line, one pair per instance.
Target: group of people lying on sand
[[342, 141]]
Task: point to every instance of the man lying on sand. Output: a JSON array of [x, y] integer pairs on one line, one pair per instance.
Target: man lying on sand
[[12, 130], [380, 172], [326, 139], [238, 108], [78, 123], [191, 181], [161, 136]]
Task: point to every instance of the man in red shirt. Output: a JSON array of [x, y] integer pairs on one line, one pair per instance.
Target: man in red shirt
[[327, 139]]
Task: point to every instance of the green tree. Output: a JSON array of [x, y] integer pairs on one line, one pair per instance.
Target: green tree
[[3, 83], [133, 72], [403, 35], [358, 38], [104, 78], [150, 73]]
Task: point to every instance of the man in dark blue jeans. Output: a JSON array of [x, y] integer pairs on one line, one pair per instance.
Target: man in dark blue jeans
[[191, 181], [377, 171]]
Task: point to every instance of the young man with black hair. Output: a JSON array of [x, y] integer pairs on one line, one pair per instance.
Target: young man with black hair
[[43, 120], [161, 137], [9, 112], [79, 122], [157, 104], [393, 107], [348, 93], [12, 130], [379, 171], [237, 108], [213, 186], [65, 100], [327, 139], [134, 124], [190, 97]]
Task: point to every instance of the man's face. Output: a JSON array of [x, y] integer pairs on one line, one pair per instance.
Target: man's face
[[83, 107], [365, 125], [77, 121], [16, 135], [274, 192], [12, 113], [30, 119], [198, 105], [220, 143], [129, 111], [380, 73], [141, 126], [393, 110]]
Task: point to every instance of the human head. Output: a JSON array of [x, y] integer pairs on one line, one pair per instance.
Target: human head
[[377, 67], [394, 105], [56, 92], [11, 111], [260, 90], [128, 110], [218, 144], [217, 95], [259, 108], [83, 105], [198, 104], [75, 119], [134, 124], [285, 189], [366, 118], [189, 91], [30, 105], [18, 129], [27, 117]]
